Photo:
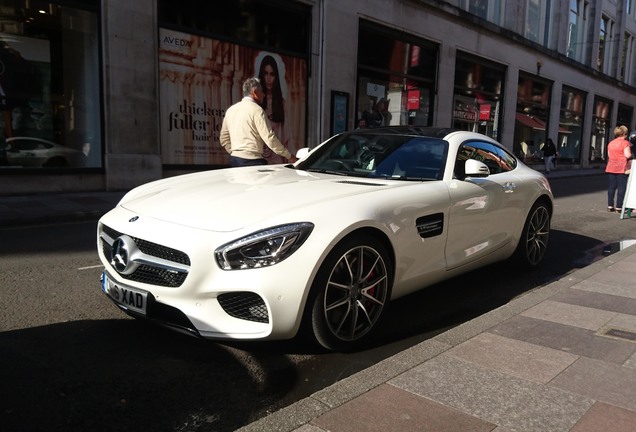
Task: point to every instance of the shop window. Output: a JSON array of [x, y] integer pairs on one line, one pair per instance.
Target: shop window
[[570, 134], [396, 75], [531, 118], [49, 86], [624, 116], [601, 129], [207, 50], [478, 95]]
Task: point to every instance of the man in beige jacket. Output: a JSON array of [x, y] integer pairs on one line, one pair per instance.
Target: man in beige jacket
[[246, 129]]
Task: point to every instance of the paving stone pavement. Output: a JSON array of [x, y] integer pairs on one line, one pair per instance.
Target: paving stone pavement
[[560, 358]]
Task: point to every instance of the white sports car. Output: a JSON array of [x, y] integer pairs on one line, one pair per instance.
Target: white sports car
[[324, 244]]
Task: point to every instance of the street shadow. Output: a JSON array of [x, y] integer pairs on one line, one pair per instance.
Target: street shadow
[[564, 187], [445, 305], [124, 375], [54, 238]]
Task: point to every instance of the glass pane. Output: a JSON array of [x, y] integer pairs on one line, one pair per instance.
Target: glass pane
[[479, 8], [478, 96], [396, 79], [390, 100], [624, 115], [571, 126], [194, 99], [50, 85], [600, 129], [533, 106]]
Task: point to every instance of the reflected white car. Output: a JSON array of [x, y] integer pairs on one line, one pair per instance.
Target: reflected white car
[[37, 152], [324, 244]]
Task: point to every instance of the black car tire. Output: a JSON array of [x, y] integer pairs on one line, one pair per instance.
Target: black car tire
[[350, 293], [533, 243]]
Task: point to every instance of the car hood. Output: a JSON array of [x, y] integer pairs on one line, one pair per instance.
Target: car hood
[[229, 199]]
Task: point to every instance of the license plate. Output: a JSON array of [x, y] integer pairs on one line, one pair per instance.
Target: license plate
[[128, 297]]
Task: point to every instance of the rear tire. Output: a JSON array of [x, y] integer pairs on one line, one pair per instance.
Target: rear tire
[[533, 243], [350, 294]]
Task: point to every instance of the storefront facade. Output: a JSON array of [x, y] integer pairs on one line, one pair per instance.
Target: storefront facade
[[106, 95]]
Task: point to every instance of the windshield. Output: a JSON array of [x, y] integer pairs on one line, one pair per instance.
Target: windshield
[[401, 157]]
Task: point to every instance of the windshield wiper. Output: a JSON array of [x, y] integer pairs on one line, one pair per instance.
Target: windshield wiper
[[326, 171], [401, 177]]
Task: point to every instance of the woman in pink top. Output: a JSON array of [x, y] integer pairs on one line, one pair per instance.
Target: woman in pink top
[[619, 157]]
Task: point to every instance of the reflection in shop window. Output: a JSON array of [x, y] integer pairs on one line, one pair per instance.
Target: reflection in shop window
[[533, 106], [571, 125], [396, 78], [533, 109], [600, 129], [478, 95], [390, 102], [49, 87]]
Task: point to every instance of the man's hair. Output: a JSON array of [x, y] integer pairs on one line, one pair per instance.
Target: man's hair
[[251, 84]]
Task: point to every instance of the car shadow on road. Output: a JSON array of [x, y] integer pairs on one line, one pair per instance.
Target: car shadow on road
[[445, 305], [125, 375]]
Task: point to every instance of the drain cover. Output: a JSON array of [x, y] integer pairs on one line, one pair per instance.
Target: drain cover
[[620, 334]]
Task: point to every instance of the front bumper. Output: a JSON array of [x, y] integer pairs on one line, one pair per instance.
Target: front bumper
[[264, 303]]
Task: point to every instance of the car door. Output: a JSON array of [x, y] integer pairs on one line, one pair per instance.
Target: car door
[[483, 211]]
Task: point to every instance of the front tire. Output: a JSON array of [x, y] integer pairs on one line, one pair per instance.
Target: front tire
[[350, 293], [533, 243]]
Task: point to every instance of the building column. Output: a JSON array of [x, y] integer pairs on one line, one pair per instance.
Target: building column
[[132, 154]]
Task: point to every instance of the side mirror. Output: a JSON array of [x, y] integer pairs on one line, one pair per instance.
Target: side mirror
[[303, 152], [474, 168]]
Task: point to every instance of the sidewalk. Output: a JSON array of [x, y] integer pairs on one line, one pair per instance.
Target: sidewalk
[[560, 358]]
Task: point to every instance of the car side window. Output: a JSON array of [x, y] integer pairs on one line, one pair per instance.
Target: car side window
[[496, 159], [416, 158]]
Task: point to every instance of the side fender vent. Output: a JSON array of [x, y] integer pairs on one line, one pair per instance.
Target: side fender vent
[[430, 225]]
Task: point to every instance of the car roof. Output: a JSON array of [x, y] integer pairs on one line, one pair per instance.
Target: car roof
[[424, 131]]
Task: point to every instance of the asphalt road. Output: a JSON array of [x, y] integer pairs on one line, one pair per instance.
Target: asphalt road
[[71, 361]]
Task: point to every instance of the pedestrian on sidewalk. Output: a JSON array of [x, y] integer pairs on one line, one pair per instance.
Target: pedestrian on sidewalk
[[549, 155], [246, 129], [619, 158]]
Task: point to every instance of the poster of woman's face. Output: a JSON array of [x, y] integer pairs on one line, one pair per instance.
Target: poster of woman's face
[[201, 77]]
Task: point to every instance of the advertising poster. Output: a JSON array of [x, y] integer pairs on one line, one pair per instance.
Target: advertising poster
[[201, 77]]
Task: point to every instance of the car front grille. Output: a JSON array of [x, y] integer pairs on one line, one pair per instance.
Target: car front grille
[[149, 273], [244, 305]]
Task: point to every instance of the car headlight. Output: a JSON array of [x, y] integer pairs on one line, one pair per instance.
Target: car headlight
[[263, 248]]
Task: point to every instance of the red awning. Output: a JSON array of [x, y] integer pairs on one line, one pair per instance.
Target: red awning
[[531, 122], [537, 124]]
